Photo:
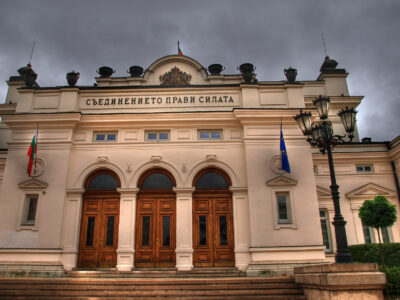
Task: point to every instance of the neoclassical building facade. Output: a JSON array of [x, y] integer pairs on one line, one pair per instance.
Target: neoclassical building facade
[[179, 166]]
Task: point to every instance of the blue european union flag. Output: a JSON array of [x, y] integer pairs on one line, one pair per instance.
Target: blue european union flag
[[284, 156]]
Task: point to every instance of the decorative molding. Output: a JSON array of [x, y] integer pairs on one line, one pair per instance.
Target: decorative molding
[[102, 159], [369, 191], [276, 164], [156, 158], [323, 193], [39, 167], [78, 191], [175, 76], [184, 169], [211, 157], [128, 191], [32, 184], [238, 190], [281, 181], [180, 191]]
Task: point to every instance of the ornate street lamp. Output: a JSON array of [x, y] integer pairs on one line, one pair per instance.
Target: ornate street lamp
[[320, 134]]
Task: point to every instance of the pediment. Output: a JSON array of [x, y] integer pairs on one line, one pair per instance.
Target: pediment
[[370, 190], [32, 184], [175, 70], [323, 192], [281, 181]]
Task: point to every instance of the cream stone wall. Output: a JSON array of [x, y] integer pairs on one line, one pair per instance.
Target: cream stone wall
[[356, 187], [249, 153]]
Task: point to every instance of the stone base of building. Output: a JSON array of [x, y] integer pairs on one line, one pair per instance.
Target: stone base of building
[[31, 269], [341, 281], [275, 268]]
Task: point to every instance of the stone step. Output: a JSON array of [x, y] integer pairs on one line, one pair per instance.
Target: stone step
[[241, 297], [156, 273], [193, 288], [150, 287]]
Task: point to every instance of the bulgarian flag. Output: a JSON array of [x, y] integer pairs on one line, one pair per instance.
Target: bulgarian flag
[[32, 151], [179, 50]]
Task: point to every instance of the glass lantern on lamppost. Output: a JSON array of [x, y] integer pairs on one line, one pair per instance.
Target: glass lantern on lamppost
[[320, 134]]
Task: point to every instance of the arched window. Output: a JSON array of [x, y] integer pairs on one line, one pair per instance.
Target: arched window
[[102, 180], [157, 180], [212, 179]]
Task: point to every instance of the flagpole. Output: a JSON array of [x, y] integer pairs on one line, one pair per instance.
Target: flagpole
[[33, 47], [37, 139]]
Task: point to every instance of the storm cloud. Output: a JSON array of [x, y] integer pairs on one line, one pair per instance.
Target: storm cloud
[[362, 35]]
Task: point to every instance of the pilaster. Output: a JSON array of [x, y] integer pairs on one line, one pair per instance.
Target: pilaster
[[126, 231], [184, 228], [241, 225], [70, 228]]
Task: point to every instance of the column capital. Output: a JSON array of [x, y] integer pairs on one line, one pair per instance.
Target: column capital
[[184, 191], [238, 189], [78, 191], [128, 191]]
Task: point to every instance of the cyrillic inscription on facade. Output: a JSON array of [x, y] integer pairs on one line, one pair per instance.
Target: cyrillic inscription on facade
[[159, 101]]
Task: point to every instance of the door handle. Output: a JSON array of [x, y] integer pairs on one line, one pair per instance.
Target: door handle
[[101, 241]]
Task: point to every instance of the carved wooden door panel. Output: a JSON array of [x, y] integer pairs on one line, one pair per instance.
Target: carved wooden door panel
[[99, 231], [155, 230], [213, 229]]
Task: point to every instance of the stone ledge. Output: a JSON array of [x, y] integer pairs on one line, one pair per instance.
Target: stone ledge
[[336, 268], [341, 281], [267, 269]]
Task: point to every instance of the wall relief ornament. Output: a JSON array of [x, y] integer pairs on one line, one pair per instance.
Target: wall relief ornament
[[175, 76], [276, 164], [38, 167]]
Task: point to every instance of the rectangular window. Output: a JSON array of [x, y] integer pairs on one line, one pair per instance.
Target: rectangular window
[[209, 134], [315, 167], [157, 136], [145, 230], [203, 230], [326, 237], [30, 210], [364, 168], [284, 215], [90, 231], [166, 231], [110, 231], [223, 231], [367, 234], [104, 137], [385, 235]]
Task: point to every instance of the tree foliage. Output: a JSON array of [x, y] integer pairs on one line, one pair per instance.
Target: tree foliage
[[378, 213]]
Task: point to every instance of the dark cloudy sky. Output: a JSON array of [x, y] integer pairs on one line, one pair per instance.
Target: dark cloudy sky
[[362, 35]]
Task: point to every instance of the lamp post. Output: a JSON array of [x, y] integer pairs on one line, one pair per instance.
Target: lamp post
[[320, 134]]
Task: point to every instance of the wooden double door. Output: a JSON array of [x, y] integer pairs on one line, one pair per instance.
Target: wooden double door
[[99, 230], [155, 240], [213, 240]]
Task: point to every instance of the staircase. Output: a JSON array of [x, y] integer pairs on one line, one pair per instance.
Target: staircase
[[150, 284], [157, 273]]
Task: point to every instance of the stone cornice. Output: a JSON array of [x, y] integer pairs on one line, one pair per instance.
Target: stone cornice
[[52, 120]]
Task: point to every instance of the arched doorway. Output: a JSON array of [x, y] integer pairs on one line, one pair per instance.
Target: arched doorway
[[155, 240], [100, 218], [213, 240]]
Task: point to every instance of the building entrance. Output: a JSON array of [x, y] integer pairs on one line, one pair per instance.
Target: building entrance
[[155, 240], [213, 240], [99, 226]]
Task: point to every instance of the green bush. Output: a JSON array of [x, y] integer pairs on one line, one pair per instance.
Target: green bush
[[393, 280], [369, 253]]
